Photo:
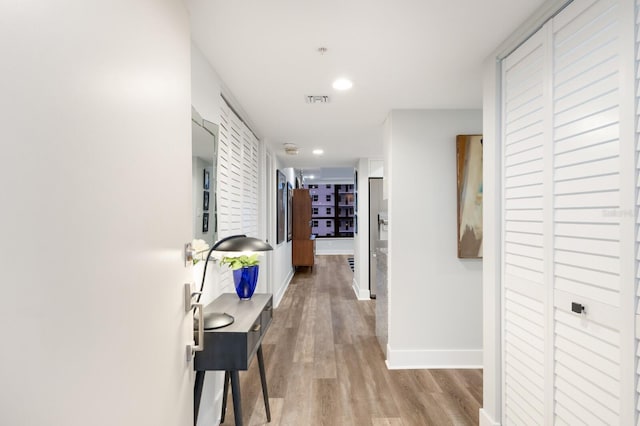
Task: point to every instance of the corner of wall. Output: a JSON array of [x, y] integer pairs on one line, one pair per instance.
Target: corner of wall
[[486, 420], [361, 294]]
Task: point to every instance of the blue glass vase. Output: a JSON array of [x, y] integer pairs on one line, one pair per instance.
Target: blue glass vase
[[246, 280]]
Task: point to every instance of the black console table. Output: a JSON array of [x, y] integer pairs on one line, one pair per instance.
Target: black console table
[[232, 348]]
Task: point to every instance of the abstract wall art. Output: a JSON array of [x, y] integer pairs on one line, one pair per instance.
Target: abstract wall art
[[281, 206], [469, 168]]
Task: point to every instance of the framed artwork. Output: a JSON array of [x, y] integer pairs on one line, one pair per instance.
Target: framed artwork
[[281, 208], [469, 171], [206, 179], [205, 202], [355, 202], [205, 222], [289, 211]]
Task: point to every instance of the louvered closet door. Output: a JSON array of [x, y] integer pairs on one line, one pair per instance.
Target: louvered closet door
[[523, 200], [249, 183], [237, 191], [586, 228], [568, 196]]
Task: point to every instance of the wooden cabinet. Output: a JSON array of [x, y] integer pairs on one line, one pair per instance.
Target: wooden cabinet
[[303, 246], [303, 252]]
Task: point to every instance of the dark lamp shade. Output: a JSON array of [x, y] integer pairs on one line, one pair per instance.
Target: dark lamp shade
[[241, 243]]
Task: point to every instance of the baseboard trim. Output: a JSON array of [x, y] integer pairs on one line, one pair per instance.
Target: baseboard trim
[[280, 294], [433, 359], [486, 420], [360, 293], [334, 252]]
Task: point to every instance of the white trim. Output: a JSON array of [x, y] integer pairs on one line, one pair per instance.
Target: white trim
[[628, 182], [277, 298], [535, 22], [360, 293], [433, 359], [486, 420], [335, 252], [492, 240]]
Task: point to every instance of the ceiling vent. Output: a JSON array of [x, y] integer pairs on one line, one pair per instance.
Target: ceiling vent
[[317, 99], [290, 149]]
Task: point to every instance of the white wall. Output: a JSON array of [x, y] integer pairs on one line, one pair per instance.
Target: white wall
[[435, 299], [366, 168], [331, 246], [206, 87], [95, 184], [283, 270]]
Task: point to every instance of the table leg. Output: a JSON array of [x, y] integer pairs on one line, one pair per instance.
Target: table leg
[[224, 396], [197, 393], [263, 380], [235, 392]]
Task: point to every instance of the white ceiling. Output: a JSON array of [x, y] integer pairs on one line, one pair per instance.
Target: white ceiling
[[399, 54]]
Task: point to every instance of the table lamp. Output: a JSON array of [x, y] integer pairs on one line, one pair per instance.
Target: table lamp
[[234, 243]]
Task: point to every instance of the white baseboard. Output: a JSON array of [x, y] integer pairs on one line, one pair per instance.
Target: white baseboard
[[361, 294], [334, 252], [486, 420], [433, 359], [277, 298]]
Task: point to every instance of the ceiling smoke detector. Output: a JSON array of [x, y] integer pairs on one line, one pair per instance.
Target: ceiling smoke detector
[[317, 99], [290, 149]]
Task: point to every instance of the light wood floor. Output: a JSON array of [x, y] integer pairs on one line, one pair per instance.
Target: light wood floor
[[325, 367]]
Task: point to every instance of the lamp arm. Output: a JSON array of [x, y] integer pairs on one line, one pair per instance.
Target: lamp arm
[[206, 261]]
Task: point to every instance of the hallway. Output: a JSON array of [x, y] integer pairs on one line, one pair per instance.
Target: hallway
[[325, 367]]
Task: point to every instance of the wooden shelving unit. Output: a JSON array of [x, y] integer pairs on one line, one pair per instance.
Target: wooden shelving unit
[[303, 246]]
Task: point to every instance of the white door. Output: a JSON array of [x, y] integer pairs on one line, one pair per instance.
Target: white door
[[95, 187], [525, 291], [568, 199]]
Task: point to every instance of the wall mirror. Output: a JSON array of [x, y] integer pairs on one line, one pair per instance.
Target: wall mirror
[[204, 151]]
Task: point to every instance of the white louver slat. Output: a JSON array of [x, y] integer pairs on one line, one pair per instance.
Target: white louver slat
[[523, 276], [637, 278], [237, 192], [586, 182]]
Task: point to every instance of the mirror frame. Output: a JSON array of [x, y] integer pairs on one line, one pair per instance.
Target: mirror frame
[[202, 216]]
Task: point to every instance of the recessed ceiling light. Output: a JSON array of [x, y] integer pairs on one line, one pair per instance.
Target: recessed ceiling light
[[318, 152], [342, 84], [311, 177]]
